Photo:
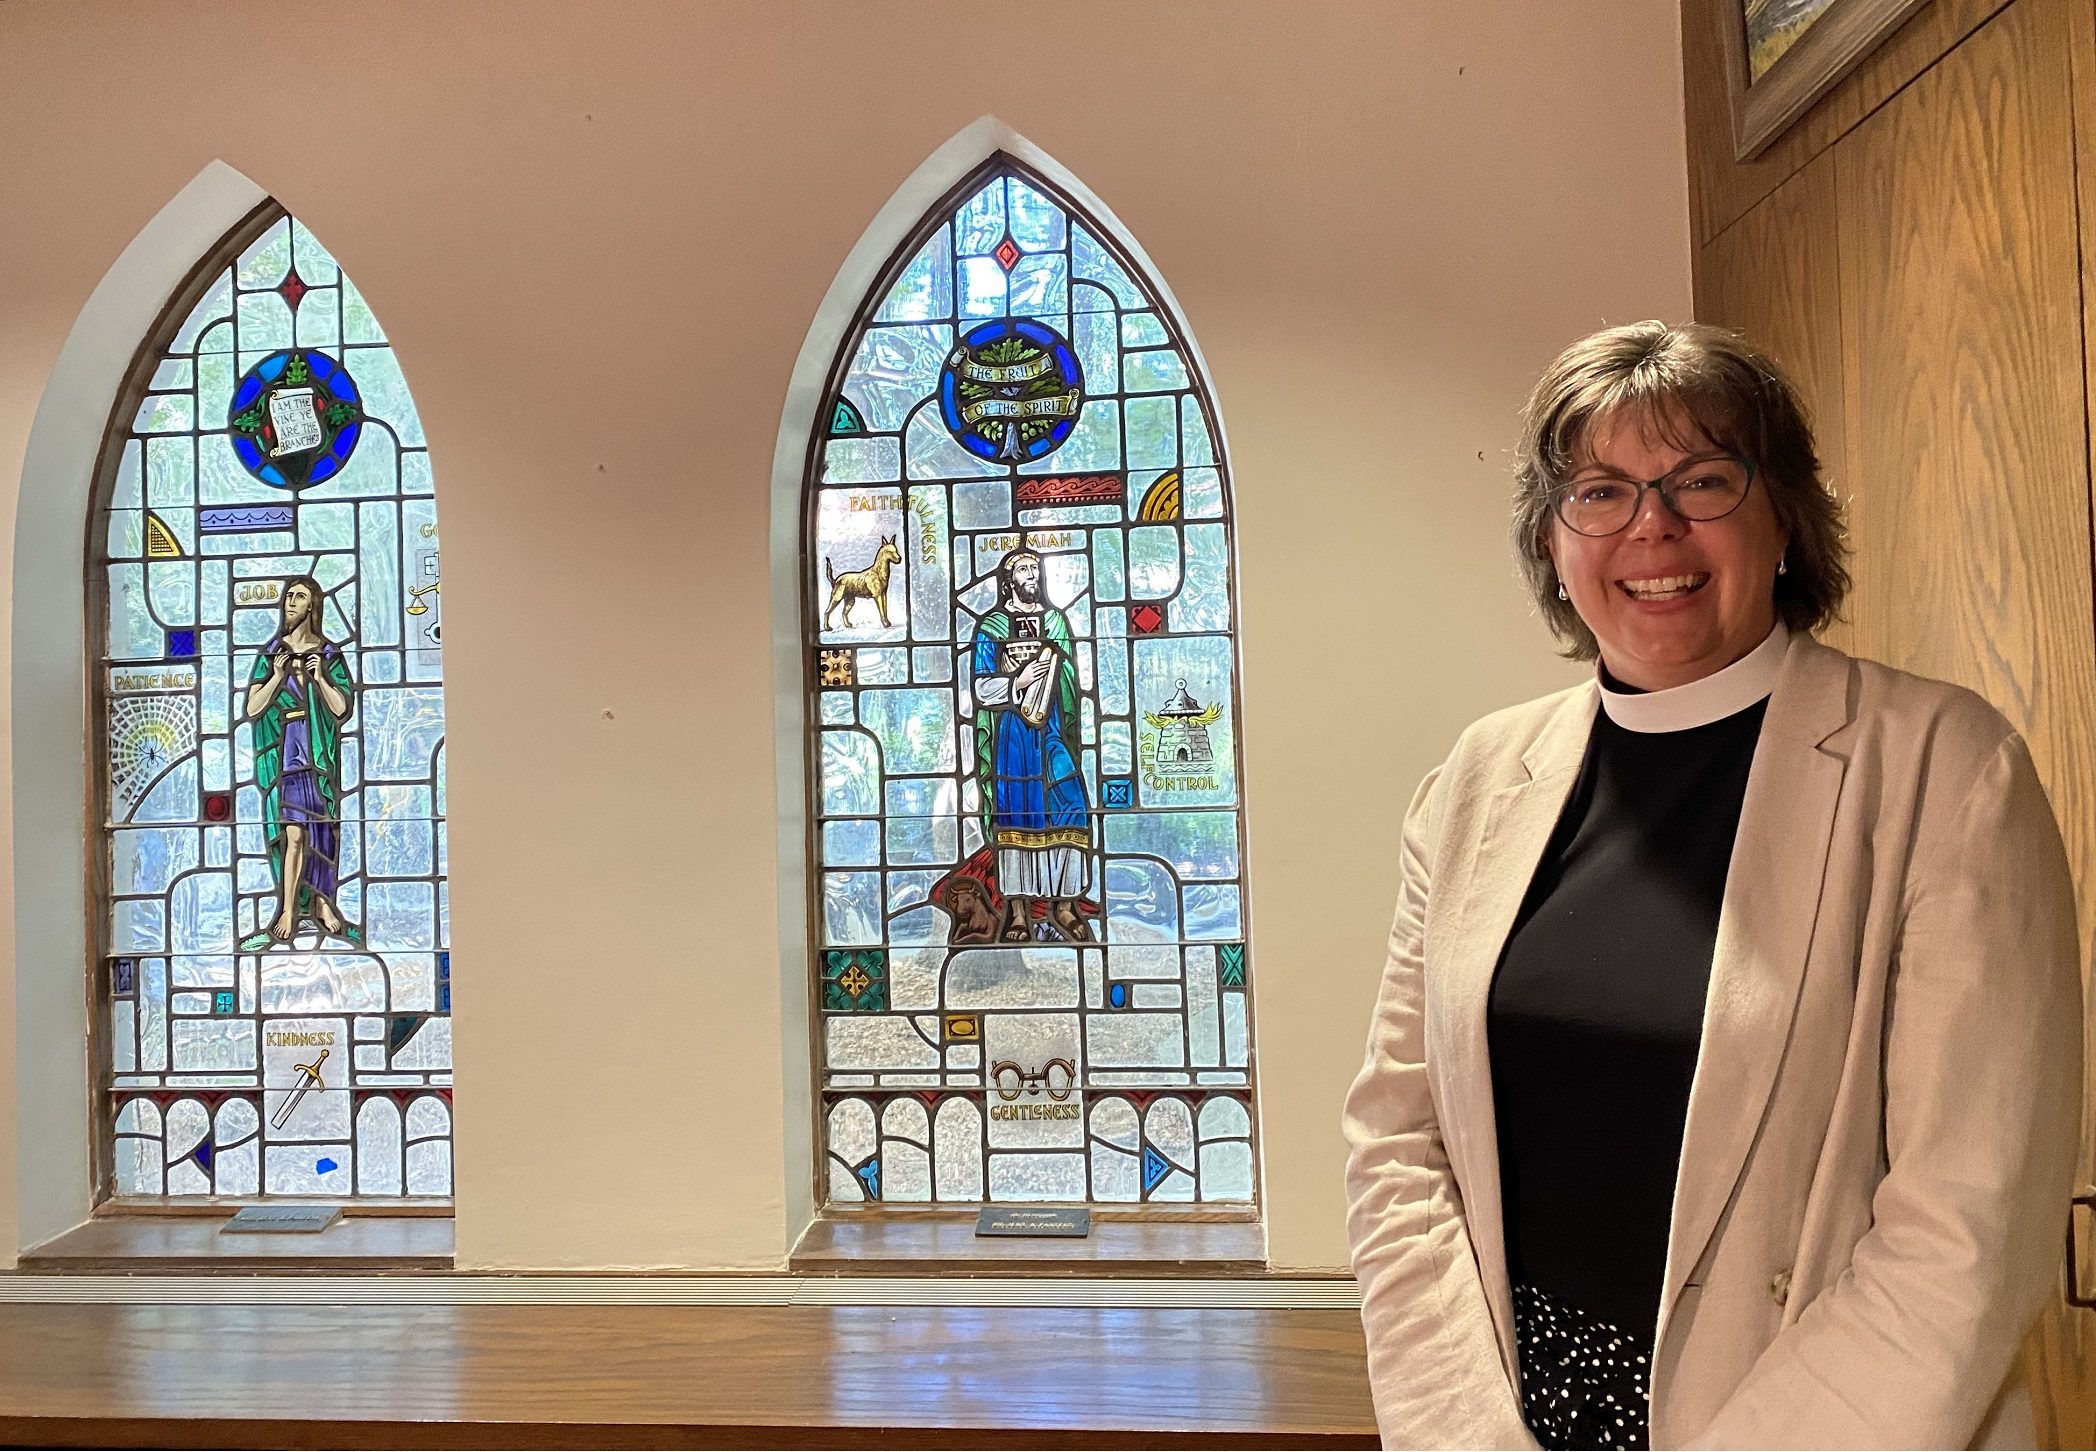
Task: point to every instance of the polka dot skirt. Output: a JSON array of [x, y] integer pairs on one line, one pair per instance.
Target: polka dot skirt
[[1584, 1382]]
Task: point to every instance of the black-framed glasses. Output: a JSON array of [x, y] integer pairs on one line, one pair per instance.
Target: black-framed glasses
[[1698, 490]]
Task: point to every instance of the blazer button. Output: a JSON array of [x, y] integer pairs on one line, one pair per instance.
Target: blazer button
[[1779, 1288]]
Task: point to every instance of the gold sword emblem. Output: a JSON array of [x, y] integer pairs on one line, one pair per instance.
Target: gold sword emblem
[[305, 1077]]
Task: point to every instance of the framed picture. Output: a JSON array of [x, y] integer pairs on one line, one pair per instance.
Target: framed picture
[[1782, 55]]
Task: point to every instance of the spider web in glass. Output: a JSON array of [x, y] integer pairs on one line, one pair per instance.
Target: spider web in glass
[[278, 978], [1031, 967]]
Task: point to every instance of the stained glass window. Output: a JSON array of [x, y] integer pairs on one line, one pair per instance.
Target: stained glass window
[[1031, 959], [275, 981]]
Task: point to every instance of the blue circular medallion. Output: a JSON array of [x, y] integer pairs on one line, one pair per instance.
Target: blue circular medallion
[[295, 418], [1011, 391]]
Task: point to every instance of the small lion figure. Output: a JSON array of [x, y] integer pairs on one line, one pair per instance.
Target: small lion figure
[[853, 586]]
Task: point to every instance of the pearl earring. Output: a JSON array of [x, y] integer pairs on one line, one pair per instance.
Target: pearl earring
[[1783, 567], [1561, 591]]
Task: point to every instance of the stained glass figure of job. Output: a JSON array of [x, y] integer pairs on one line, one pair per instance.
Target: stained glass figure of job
[[1032, 970], [298, 696], [275, 989]]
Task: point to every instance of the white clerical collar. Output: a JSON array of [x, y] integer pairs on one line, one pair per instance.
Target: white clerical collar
[[1713, 698]]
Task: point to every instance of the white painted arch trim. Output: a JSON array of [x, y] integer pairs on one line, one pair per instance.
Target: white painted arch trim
[[806, 406], [53, 839]]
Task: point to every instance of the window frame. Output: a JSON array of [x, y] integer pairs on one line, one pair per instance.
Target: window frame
[[938, 214]]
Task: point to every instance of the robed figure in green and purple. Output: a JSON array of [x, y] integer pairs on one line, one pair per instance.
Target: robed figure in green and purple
[[298, 696], [1034, 807]]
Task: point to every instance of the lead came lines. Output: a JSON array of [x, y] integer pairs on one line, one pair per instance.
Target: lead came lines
[[913, 897], [326, 1025]]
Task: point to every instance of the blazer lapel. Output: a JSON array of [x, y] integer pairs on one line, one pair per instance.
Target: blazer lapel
[[1771, 903], [1517, 827]]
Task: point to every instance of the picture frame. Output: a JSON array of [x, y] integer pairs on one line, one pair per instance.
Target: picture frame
[[1783, 55]]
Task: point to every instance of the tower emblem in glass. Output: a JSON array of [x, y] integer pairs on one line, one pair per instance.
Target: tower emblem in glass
[[1024, 762]]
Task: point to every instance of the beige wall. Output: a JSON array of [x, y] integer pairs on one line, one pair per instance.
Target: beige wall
[[1381, 218]]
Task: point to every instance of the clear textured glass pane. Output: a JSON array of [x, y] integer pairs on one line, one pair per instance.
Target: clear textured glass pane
[[957, 1150], [862, 461], [851, 908], [1091, 260], [1143, 330], [164, 413], [1153, 372], [1204, 600], [215, 304], [1037, 1177], [925, 289], [267, 259], [1226, 1172], [983, 288], [262, 322], [895, 370], [914, 729], [1193, 844], [315, 265], [851, 844], [851, 774], [1040, 288], [1152, 432], [1036, 223], [385, 390], [1153, 561], [378, 1147], [979, 224]]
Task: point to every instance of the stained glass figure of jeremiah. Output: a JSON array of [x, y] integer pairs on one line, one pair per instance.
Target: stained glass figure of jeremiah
[[298, 696], [1026, 724]]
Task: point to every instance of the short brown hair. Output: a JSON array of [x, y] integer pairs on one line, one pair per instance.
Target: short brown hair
[[1722, 387]]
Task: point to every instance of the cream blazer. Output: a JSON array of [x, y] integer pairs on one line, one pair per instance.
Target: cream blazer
[[1870, 1206]]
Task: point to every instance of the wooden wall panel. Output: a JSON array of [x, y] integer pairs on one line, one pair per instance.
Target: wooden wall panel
[[1776, 276], [1915, 252], [1966, 438], [1964, 368], [1721, 190]]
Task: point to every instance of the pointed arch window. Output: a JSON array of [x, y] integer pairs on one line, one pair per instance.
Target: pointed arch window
[[274, 981], [1031, 963]]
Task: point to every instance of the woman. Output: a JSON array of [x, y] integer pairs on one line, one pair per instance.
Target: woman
[[1726, 1068]]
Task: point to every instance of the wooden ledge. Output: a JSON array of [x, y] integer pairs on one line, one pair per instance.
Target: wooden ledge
[[933, 1243], [186, 1244], [688, 1376]]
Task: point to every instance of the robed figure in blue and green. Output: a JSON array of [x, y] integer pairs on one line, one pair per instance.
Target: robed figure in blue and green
[[298, 696], [1035, 813]]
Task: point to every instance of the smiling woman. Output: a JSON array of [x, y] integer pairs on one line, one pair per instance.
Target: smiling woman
[[1735, 498], [1615, 892]]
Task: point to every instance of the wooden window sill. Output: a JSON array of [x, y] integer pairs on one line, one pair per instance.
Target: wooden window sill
[[171, 1244], [934, 1242]]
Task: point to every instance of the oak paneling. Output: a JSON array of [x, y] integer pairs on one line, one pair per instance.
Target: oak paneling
[[1915, 252], [1965, 391], [1722, 190], [1966, 438], [1776, 276], [739, 1376]]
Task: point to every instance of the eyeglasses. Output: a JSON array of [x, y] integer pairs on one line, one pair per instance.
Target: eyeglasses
[[1697, 490]]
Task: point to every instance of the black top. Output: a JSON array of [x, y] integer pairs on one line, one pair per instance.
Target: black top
[[1596, 1012]]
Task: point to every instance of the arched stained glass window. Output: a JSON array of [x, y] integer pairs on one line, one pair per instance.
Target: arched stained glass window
[[275, 981], [1031, 966]]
